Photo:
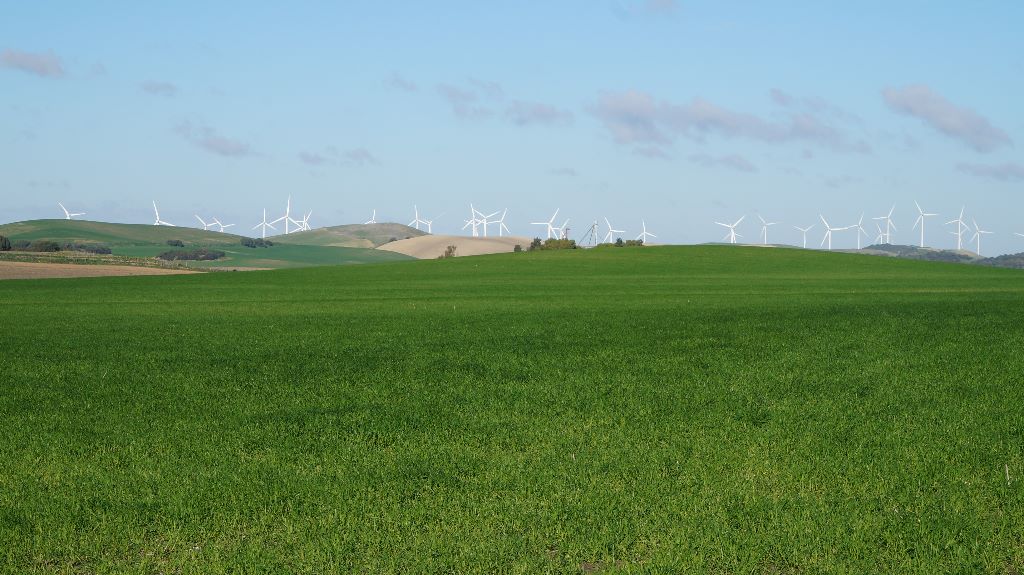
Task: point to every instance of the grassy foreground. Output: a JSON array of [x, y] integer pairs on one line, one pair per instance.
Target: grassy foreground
[[700, 409]]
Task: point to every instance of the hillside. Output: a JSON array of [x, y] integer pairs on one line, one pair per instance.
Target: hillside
[[432, 246], [147, 241], [351, 235]]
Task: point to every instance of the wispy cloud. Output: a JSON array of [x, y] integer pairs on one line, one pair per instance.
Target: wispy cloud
[[357, 157], [46, 65], [637, 118], [1008, 172], [563, 171], [732, 162], [208, 139], [959, 123], [463, 103], [155, 88], [398, 82], [523, 113]]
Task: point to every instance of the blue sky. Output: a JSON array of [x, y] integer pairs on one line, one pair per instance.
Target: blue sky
[[679, 113]]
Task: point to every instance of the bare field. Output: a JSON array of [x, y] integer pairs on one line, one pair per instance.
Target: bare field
[[30, 270], [431, 246]]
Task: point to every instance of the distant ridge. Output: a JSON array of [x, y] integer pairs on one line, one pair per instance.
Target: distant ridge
[[352, 235], [112, 234]]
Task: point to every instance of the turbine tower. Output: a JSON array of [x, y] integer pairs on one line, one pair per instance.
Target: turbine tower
[[804, 230], [732, 235], [644, 234], [550, 224], [287, 217], [920, 220], [889, 226], [373, 218], [608, 237], [977, 235], [417, 221], [764, 229], [828, 232], [501, 224], [69, 215], [264, 224], [860, 229], [961, 226]]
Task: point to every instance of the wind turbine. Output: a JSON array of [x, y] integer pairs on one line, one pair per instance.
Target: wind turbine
[[732, 235], [920, 220], [264, 224], [483, 221], [563, 230], [880, 238], [860, 229], [417, 221], [224, 226], [609, 237], [501, 223], [287, 217], [158, 221], [828, 232], [889, 226], [430, 224], [304, 222], [206, 225], [764, 229], [69, 215], [643, 235], [373, 218], [550, 224], [977, 234], [960, 227], [804, 230]]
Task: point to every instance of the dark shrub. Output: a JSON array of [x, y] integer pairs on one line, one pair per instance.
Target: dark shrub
[[43, 246], [5, 244], [535, 244], [21, 245], [88, 248], [518, 248], [201, 254], [176, 243], [256, 243]]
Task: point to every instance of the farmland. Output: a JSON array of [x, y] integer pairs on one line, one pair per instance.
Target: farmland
[[677, 409]]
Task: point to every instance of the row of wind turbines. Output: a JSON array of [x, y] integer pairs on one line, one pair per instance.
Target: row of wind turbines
[[884, 229]]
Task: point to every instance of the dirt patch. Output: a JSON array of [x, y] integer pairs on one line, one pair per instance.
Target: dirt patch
[[27, 270]]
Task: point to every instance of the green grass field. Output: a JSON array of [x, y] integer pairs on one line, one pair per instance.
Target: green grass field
[[680, 409]]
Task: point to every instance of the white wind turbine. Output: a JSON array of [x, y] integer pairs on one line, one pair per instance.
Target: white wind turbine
[[563, 230], [69, 215], [417, 221], [264, 224], [287, 217], [644, 234], [828, 232], [304, 222], [960, 227], [920, 220], [484, 220], [501, 224], [889, 226], [764, 229], [158, 221], [804, 231], [880, 238], [609, 237], [550, 225], [373, 218], [977, 235], [207, 225], [222, 226], [732, 235], [860, 229], [430, 224]]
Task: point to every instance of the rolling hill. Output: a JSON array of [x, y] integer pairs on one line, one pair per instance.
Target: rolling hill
[[352, 235], [147, 241]]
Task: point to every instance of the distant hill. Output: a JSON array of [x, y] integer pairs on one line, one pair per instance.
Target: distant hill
[[112, 234], [1004, 261], [351, 235], [146, 241], [917, 253]]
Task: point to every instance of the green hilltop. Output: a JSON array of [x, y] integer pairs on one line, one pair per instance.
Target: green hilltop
[[352, 235]]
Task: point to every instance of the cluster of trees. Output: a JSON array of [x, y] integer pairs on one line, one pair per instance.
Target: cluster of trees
[[256, 243], [176, 243], [619, 243], [552, 244], [5, 244], [201, 254], [89, 248], [449, 252], [35, 246]]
